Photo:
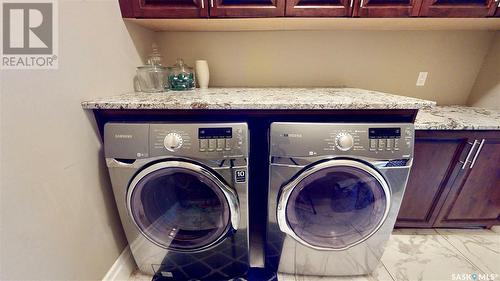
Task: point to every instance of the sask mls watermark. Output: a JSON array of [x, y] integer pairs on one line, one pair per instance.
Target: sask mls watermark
[[29, 34], [473, 277]]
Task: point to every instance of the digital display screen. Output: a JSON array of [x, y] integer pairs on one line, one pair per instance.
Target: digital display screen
[[384, 133], [215, 133]]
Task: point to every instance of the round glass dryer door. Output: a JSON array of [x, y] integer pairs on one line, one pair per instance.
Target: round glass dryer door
[[182, 206], [334, 205]]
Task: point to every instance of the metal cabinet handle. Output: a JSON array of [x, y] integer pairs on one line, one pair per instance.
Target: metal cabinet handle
[[477, 154], [212, 3], [469, 154], [203, 4], [361, 3]]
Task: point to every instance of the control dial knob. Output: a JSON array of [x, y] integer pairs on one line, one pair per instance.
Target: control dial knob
[[344, 141], [172, 141]]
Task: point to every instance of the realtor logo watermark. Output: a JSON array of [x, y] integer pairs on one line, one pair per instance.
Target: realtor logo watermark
[[29, 34]]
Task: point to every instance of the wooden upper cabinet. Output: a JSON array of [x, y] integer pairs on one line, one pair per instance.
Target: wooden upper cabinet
[[164, 8], [387, 8], [247, 8], [496, 10], [475, 200], [458, 8], [318, 8]]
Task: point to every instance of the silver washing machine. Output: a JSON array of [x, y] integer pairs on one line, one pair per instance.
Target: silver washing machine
[[334, 195], [181, 192]]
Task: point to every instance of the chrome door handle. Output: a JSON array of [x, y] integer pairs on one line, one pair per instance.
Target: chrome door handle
[[477, 154], [212, 3], [352, 2], [469, 154], [361, 3], [203, 4]]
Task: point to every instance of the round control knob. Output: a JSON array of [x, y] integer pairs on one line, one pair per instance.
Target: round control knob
[[344, 141], [172, 141]]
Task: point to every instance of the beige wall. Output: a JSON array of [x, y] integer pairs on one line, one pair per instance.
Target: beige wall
[[380, 60], [486, 90], [57, 213]]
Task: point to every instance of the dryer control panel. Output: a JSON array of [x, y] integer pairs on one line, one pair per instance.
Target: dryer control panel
[[376, 141], [206, 140]]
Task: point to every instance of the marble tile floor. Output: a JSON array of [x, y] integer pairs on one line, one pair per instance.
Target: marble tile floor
[[425, 255]]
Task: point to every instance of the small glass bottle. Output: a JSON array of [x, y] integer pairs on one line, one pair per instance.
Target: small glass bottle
[[181, 76]]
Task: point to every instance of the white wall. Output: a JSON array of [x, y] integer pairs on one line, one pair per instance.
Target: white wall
[[380, 60], [57, 215], [486, 90]]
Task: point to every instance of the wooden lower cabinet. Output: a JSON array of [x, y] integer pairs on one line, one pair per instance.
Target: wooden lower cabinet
[[454, 182]]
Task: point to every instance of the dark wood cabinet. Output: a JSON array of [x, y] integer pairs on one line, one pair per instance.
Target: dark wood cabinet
[[179, 9], [457, 8], [247, 8], [164, 8], [387, 8], [318, 8], [475, 198], [496, 10], [435, 163], [454, 182]]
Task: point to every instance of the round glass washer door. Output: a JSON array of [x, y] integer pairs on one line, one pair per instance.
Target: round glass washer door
[[334, 205], [182, 206]]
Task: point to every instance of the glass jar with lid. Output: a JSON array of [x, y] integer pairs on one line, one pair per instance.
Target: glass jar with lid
[[181, 76], [152, 77]]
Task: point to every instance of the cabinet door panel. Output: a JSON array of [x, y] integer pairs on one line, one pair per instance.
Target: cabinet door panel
[[318, 8], [457, 8], [434, 166], [386, 8], [164, 8], [247, 8], [475, 198]]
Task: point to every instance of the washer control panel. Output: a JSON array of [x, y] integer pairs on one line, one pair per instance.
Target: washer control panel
[[212, 140], [200, 140], [373, 140]]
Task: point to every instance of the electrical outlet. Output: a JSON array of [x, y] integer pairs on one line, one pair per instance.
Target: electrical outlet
[[422, 76]]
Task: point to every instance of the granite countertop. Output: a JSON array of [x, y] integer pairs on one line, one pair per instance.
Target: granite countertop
[[457, 118], [260, 99]]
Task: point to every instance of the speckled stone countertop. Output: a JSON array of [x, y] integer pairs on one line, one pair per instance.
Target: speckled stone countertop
[[457, 118], [261, 99]]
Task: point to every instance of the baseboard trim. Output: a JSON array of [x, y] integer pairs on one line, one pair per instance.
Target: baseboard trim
[[122, 268]]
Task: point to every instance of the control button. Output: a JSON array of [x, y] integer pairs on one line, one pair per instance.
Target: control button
[[381, 144], [344, 141], [396, 144], [203, 144], [172, 141], [228, 144], [389, 144], [220, 144], [373, 144], [212, 144], [408, 133]]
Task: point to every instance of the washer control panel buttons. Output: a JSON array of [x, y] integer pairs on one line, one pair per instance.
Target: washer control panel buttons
[[212, 144], [389, 139], [221, 144], [389, 144]]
